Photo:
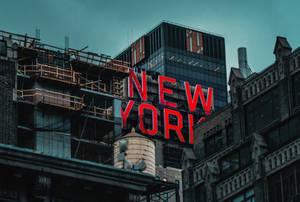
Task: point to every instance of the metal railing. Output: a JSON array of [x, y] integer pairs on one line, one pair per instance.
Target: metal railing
[[101, 60], [21, 40], [36, 96], [50, 72], [99, 112]]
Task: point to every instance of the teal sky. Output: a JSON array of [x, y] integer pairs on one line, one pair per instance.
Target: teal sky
[[110, 26]]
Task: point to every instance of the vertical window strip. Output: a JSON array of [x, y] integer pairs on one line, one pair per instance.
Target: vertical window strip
[[198, 40], [191, 44], [134, 56]]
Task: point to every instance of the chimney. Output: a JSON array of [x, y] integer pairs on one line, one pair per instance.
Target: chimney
[[243, 63]]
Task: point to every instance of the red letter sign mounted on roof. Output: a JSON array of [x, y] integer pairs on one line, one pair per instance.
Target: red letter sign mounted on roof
[[141, 90], [192, 102], [169, 126], [163, 90], [154, 119], [125, 114]]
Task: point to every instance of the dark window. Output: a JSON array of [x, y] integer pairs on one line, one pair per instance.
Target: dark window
[[286, 132], [3, 48], [235, 161], [262, 111], [245, 196], [296, 89], [229, 135], [214, 143], [172, 156], [284, 186], [200, 193]]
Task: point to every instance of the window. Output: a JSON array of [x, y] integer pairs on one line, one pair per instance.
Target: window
[[284, 186], [296, 89], [200, 193], [214, 143], [198, 40], [134, 56], [283, 134], [262, 111], [229, 135], [246, 196], [191, 44], [235, 161], [3, 48]]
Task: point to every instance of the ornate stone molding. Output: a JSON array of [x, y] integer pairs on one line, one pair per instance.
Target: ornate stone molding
[[282, 157], [234, 184]]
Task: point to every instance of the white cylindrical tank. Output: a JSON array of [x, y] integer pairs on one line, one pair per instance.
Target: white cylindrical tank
[[139, 147]]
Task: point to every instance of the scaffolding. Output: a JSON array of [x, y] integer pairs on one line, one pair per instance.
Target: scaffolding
[[102, 61], [69, 76], [97, 85], [21, 40], [99, 112], [50, 72], [36, 96], [80, 70], [118, 87]]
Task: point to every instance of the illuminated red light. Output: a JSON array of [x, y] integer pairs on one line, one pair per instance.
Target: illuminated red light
[[124, 115], [169, 126], [191, 132], [191, 101], [154, 119], [162, 90], [141, 90]]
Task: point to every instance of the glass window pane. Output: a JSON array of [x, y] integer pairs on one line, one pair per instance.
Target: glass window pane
[[2, 48], [250, 193], [238, 199]]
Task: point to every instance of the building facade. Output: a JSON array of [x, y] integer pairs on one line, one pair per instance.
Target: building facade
[[184, 54], [250, 150], [60, 114]]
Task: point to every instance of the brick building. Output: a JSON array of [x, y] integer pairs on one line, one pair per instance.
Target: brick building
[[250, 150]]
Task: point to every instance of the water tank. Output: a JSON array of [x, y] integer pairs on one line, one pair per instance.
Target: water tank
[[139, 147]]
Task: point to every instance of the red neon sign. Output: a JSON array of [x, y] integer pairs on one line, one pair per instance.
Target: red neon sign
[[177, 127], [141, 90], [154, 119], [162, 91], [125, 114], [192, 102]]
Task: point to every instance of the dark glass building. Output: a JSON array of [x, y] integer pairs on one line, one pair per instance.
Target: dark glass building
[[184, 54]]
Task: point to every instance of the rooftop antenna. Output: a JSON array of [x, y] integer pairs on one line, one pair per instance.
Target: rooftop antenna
[[38, 34], [67, 42]]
